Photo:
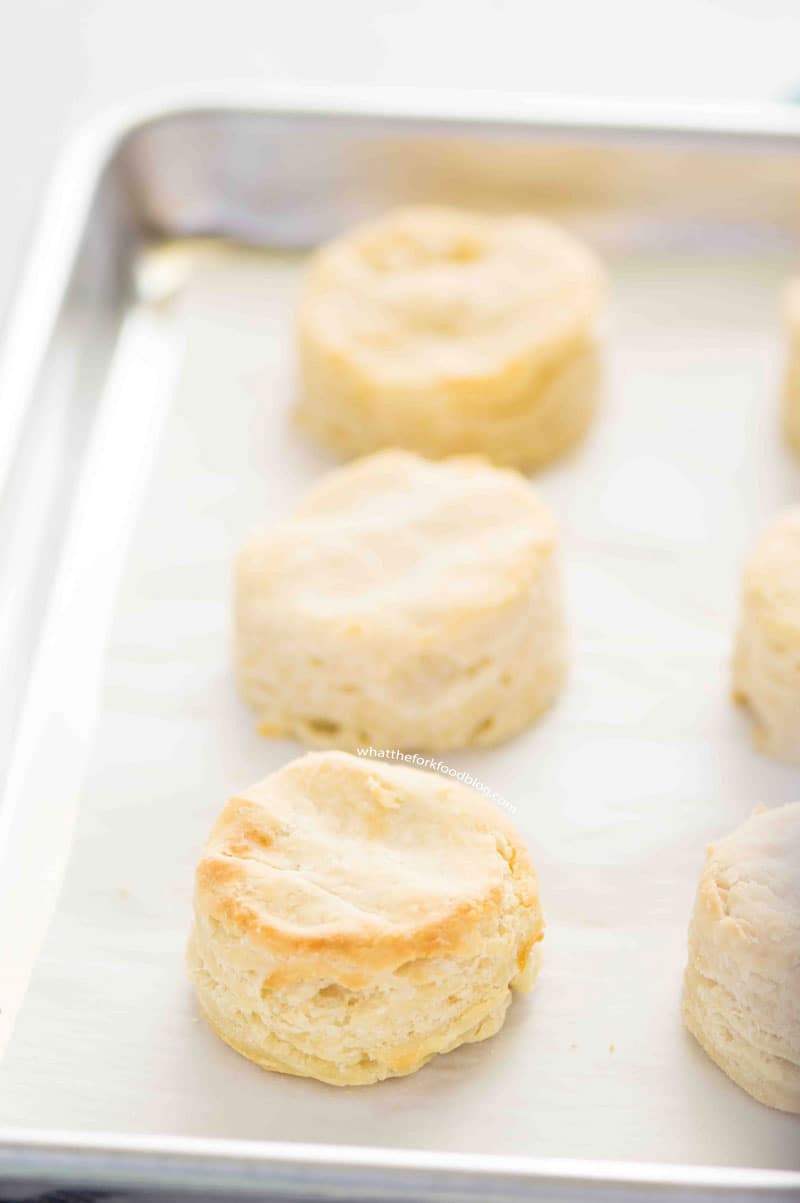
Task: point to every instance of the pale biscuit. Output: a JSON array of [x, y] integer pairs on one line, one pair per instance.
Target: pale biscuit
[[791, 392], [766, 666], [353, 919], [742, 986], [445, 332], [407, 604]]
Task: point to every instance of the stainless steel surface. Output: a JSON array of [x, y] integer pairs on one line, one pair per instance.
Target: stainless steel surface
[[286, 173], [314, 1172], [58, 347]]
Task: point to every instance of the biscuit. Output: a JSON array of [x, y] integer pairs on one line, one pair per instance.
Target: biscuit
[[354, 919], [406, 604], [742, 986], [791, 393], [446, 332], [766, 666]]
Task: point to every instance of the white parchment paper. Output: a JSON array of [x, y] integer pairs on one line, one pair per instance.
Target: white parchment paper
[[618, 790]]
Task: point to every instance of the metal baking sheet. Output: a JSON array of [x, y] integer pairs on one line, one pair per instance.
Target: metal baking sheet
[[132, 735]]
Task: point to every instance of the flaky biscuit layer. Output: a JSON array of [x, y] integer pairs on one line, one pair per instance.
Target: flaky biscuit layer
[[791, 388], [446, 332], [766, 667], [353, 919], [407, 604], [742, 986]]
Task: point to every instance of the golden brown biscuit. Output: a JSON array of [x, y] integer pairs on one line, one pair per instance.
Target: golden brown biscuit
[[445, 332], [766, 667], [407, 604], [742, 989], [353, 919], [791, 393]]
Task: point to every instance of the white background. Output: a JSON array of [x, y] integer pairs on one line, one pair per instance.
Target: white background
[[63, 60]]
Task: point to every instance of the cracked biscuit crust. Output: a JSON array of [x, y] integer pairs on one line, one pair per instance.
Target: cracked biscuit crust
[[353, 919]]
